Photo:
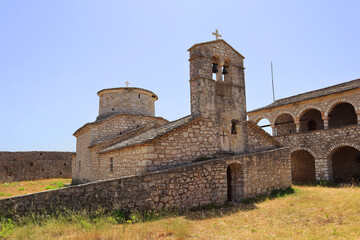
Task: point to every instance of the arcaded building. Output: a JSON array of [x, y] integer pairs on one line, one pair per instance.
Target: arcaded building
[[322, 129]]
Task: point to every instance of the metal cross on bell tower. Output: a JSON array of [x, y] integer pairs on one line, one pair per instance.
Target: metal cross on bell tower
[[216, 33]]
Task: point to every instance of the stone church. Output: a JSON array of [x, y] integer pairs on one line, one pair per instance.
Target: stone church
[[128, 139], [131, 159]]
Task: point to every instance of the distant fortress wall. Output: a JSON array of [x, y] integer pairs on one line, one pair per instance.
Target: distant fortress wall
[[22, 166]]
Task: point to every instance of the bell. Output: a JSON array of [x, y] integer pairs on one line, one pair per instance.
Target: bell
[[214, 68], [225, 71]]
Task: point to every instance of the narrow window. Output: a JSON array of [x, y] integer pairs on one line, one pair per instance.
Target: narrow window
[[233, 128], [139, 96], [31, 164], [64, 164], [225, 70], [111, 164], [79, 166]]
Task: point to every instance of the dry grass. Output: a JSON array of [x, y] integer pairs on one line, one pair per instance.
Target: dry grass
[[11, 189], [310, 213]]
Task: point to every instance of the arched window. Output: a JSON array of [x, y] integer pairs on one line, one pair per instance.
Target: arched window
[[342, 114]]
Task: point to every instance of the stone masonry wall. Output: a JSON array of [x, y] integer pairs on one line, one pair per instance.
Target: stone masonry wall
[[194, 140], [117, 125], [183, 187], [98, 132], [22, 166], [321, 144], [258, 139], [179, 147], [126, 162], [127, 100]]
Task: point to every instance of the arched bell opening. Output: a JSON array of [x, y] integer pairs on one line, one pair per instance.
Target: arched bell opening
[[302, 167], [284, 124], [342, 114], [346, 164], [235, 183], [216, 68], [311, 120], [226, 70]]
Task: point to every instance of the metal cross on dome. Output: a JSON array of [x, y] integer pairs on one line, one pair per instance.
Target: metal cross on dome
[[127, 84], [216, 33]]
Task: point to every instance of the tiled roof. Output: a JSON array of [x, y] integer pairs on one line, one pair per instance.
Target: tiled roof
[[342, 87], [151, 134]]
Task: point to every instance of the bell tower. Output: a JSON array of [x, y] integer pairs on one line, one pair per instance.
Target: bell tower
[[217, 90]]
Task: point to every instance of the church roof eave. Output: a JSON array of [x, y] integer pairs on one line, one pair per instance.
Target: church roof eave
[[338, 88], [150, 135]]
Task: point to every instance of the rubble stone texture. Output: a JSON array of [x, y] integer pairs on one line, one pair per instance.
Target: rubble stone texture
[[22, 166]]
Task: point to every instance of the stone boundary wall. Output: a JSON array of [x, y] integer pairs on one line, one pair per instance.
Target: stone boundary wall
[[22, 166], [182, 188]]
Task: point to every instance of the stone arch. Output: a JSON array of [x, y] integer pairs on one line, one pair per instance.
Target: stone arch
[[284, 124], [342, 113], [265, 124], [258, 118], [336, 146], [302, 166], [332, 104], [276, 115], [345, 162], [311, 119], [216, 68], [305, 108], [235, 182], [305, 149]]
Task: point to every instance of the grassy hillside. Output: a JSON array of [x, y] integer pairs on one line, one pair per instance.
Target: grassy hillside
[[11, 189], [308, 213]]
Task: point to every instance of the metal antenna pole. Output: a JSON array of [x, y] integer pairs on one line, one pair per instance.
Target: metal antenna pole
[[272, 79]]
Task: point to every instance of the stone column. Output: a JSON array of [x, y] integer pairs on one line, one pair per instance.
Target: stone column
[[323, 169], [358, 116], [297, 123], [326, 122]]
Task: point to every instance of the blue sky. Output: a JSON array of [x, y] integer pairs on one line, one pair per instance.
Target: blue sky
[[56, 55]]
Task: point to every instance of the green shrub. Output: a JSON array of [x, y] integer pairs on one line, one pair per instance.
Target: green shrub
[[7, 227]]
